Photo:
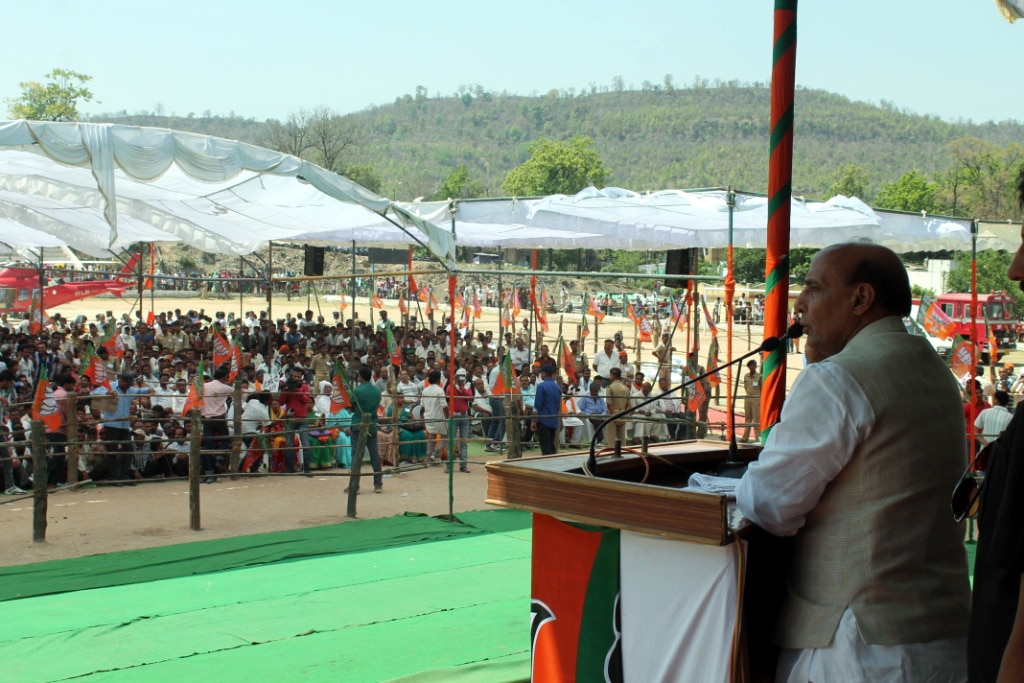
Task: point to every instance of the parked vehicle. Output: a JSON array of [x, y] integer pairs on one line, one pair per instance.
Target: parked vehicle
[[997, 313]]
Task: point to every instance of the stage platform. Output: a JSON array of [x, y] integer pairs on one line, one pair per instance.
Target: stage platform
[[407, 598]]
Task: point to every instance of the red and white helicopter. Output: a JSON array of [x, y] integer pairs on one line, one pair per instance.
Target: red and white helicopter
[[19, 288]]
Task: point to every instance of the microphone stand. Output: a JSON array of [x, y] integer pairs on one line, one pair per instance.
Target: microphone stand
[[590, 467]]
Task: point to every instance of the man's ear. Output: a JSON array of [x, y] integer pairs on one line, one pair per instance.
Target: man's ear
[[863, 298]]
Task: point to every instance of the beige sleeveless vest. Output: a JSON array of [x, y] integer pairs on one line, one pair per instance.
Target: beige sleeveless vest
[[882, 540]]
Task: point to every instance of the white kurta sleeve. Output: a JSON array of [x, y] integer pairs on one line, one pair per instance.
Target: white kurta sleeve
[[824, 419]]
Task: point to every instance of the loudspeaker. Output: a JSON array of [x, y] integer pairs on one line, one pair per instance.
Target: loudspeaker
[[680, 262], [314, 264]]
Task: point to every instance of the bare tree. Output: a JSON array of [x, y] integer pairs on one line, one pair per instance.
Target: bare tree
[[292, 136], [330, 135]]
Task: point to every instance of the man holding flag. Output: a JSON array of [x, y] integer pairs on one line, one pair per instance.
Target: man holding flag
[[116, 428]]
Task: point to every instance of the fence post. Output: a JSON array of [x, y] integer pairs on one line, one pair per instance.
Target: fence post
[[357, 466], [74, 448], [236, 438], [38, 444], [515, 447], [195, 444]]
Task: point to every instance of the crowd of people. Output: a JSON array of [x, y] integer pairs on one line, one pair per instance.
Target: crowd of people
[[132, 422]]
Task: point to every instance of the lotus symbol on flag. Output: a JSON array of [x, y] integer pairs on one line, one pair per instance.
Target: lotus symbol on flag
[[48, 406]]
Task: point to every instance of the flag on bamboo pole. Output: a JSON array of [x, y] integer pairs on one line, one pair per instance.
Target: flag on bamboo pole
[[584, 329], [432, 304], [506, 382], [44, 407], [516, 307], [412, 281], [477, 309], [221, 350], [568, 361], [95, 370], [341, 397], [631, 314], [150, 318], [115, 345], [678, 317], [460, 302], [236, 360], [961, 359], [698, 396], [424, 294], [506, 317], [922, 309], [936, 322], [375, 302], [716, 378], [993, 345], [707, 317], [402, 307], [542, 314], [396, 356], [194, 399], [464, 322], [596, 311], [646, 329], [37, 316]]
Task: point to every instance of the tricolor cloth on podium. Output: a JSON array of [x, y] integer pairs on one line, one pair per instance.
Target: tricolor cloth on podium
[[611, 605]]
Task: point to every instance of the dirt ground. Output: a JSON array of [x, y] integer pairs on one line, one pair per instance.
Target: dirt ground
[[105, 519]]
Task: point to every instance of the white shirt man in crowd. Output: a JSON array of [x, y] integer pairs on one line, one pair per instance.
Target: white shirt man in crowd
[[607, 359]]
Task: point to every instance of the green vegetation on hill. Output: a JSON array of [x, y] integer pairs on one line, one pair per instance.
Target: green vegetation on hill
[[705, 135]]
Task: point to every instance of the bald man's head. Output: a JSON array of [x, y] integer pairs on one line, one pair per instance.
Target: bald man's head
[[880, 267]]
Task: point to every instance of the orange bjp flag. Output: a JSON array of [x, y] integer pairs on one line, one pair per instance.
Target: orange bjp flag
[[375, 302], [44, 407]]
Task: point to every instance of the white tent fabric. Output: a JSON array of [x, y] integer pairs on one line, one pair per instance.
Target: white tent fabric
[[614, 218], [218, 195], [18, 240], [99, 187]]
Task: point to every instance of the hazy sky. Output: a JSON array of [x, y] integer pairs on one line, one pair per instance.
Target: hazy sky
[[950, 58]]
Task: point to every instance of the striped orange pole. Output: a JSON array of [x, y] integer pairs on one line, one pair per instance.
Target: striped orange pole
[[780, 191]]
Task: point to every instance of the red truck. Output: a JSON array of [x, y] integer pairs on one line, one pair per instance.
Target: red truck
[[997, 309]]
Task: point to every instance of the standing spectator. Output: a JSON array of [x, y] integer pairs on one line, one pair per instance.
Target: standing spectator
[[752, 401], [297, 401], [435, 416], [461, 395], [547, 407], [216, 441], [991, 422], [116, 427], [365, 402]]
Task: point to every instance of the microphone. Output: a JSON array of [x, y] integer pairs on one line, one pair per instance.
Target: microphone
[[795, 331], [769, 344]]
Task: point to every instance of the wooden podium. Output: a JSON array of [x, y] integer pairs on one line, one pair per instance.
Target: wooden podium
[[678, 559]]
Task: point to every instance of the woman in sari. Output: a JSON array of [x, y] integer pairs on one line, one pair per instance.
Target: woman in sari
[[412, 445], [338, 422]]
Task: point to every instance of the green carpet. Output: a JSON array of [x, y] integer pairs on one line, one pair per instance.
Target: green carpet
[[383, 605], [201, 557]]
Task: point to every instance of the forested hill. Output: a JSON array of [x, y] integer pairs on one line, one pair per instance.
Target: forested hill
[[706, 135]]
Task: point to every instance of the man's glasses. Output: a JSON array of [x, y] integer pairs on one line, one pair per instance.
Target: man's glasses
[[966, 494]]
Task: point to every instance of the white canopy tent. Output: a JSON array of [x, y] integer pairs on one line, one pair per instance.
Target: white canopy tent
[[101, 187], [614, 218], [149, 184]]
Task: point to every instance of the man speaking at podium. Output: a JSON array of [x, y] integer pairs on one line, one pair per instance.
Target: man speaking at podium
[[859, 469]]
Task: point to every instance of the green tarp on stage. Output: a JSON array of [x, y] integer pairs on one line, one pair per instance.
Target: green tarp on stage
[[376, 600]]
